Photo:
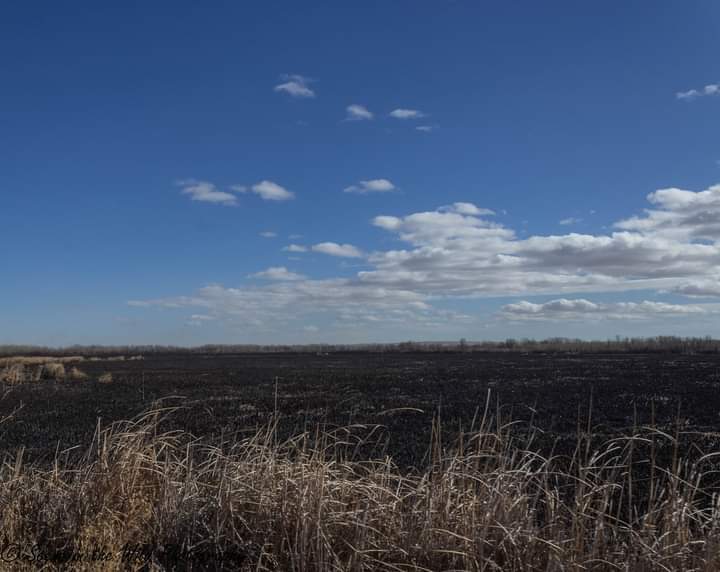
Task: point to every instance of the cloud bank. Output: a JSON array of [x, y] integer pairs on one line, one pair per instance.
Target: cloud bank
[[582, 309], [459, 252]]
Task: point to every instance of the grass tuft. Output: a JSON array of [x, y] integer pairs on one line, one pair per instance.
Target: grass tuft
[[148, 499]]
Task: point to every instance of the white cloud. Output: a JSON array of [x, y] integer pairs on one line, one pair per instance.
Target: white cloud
[[466, 209], [581, 309], [266, 190], [570, 220], [295, 248], [458, 251], [406, 114], [269, 191], [310, 329], [334, 249], [197, 320], [371, 186], [279, 273], [708, 288], [356, 112], [387, 222], [426, 128], [679, 215], [268, 234], [451, 253], [280, 301], [710, 89], [296, 86], [206, 192]]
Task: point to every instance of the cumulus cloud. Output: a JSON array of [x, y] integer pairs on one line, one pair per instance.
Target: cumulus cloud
[[457, 227], [453, 253], [406, 113], [710, 89], [582, 309], [296, 86], [266, 190], [356, 112], [679, 215], [459, 251], [709, 288], [371, 186], [341, 250], [277, 273], [269, 191], [206, 192]]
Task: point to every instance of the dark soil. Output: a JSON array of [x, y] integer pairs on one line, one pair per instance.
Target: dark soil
[[222, 394]]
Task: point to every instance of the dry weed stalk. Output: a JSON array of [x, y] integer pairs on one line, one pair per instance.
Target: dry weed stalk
[[312, 503]]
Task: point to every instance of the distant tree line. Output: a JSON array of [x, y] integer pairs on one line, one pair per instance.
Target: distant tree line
[[671, 344]]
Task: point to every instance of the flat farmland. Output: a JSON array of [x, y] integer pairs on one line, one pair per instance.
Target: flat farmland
[[342, 461], [400, 392]]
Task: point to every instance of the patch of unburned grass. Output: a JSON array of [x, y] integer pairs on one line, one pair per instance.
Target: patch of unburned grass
[[164, 500]]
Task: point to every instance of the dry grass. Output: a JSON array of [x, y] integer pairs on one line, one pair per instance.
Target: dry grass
[[14, 373], [77, 374], [24, 373], [106, 378], [38, 360], [316, 503], [14, 370]]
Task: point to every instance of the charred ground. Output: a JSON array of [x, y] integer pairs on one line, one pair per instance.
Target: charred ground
[[400, 391]]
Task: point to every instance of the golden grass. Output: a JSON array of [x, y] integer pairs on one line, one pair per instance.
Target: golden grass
[[16, 370], [38, 360], [77, 374], [318, 503]]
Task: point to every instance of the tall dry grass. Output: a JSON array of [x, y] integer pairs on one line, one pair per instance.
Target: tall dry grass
[[144, 499]]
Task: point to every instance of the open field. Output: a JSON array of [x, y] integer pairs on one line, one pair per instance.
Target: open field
[[222, 394], [366, 461]]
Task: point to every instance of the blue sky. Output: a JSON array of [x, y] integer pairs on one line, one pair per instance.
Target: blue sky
[[444, 169]]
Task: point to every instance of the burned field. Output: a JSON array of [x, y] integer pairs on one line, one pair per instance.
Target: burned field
[[366, 461], [400, 392]]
